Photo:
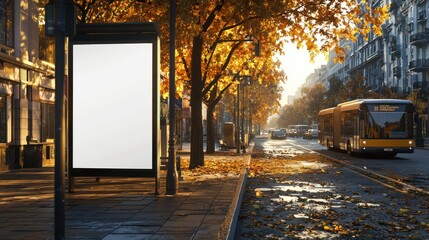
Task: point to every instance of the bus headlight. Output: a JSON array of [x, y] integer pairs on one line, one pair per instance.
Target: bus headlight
[[364, 142], [410, 142]]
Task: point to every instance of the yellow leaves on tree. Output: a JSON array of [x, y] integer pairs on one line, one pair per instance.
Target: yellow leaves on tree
[[315, 25], [213, 39]]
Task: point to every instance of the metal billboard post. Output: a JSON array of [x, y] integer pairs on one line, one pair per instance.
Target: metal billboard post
[[60, 23]]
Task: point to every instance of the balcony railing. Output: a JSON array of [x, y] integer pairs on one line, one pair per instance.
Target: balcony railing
[[419, 65], [421, 17], [419, 38], [395, 49], [375, 55]]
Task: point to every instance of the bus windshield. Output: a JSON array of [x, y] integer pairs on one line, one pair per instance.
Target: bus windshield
[[387, 121]]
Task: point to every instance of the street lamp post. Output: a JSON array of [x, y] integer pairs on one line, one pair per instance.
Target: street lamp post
[[237, 120], [246, 82], [172, 176], [238, 141]]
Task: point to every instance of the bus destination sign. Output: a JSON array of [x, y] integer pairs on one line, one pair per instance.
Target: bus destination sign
[[386, 108]]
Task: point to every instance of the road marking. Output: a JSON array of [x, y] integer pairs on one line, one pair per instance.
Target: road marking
[[359, 171]]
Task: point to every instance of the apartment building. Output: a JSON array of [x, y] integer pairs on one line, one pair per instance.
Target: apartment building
[[399, 59], [27, 90]]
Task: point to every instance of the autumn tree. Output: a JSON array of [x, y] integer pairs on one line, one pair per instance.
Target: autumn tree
[[388, 93], [262, 103], [355, 88], [261, 78], [334, 92], [211, 35], [314, 100], [260, 95], [302, 22], [293, 114]]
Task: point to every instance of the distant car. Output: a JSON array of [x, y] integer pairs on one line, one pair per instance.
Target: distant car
[[312, 133], [300, 130], [278, 134], [291, 131]]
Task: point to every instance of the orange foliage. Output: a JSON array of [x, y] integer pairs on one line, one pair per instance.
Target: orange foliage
[[317, 26]]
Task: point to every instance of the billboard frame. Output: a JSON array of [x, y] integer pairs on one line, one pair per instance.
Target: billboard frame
[[119, 33]]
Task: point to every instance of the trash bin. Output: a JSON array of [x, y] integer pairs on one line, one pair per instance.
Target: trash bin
[[32, 156], [229, 134]]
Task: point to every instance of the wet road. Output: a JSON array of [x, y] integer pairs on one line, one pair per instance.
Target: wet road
[[324, 200], [409, 168]]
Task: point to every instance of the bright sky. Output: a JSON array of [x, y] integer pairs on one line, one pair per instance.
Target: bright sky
[[297, 66]]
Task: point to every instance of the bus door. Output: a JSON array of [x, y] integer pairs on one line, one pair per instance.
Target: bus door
[[356, 134]]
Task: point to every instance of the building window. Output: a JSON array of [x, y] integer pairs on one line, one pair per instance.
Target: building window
[[46, 44], [6, 23], [48, 121]]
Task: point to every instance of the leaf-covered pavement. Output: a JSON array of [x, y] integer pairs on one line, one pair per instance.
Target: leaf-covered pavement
[[308, 197]]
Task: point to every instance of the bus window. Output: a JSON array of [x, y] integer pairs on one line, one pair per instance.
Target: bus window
[[387, 125]]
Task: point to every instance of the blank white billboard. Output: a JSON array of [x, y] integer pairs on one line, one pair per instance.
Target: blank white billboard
[[112, 106]]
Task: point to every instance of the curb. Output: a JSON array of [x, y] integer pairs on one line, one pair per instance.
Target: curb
[[230, 223], [236, 210]]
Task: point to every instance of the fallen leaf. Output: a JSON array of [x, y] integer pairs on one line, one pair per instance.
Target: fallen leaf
[[327, 228], [403, 211]]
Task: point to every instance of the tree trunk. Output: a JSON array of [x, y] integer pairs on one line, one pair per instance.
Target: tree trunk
[[197, 152], [211, 134]]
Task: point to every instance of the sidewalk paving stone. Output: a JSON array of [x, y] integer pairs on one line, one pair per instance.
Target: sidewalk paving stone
[[113, 208]]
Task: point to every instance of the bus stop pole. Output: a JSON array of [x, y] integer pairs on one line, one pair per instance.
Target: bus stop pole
[[59, 119]]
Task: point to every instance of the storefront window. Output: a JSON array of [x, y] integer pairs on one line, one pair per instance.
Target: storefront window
[[48, 121]]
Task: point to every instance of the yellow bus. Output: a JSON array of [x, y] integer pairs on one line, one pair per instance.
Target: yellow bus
[[369, 126]]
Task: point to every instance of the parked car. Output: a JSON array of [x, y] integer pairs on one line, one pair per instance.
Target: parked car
[[278, 134]]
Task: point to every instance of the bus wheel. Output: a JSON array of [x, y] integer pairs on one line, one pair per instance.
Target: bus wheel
[[349, 148]]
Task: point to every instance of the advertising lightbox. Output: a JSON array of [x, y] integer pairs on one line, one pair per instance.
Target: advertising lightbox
[[112, 102], [115, 99]]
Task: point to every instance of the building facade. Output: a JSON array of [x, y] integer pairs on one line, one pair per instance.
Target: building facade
[[398, 60], [27, 90]]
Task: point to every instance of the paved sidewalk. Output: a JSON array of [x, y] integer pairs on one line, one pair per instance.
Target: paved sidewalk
[[116, 208]]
